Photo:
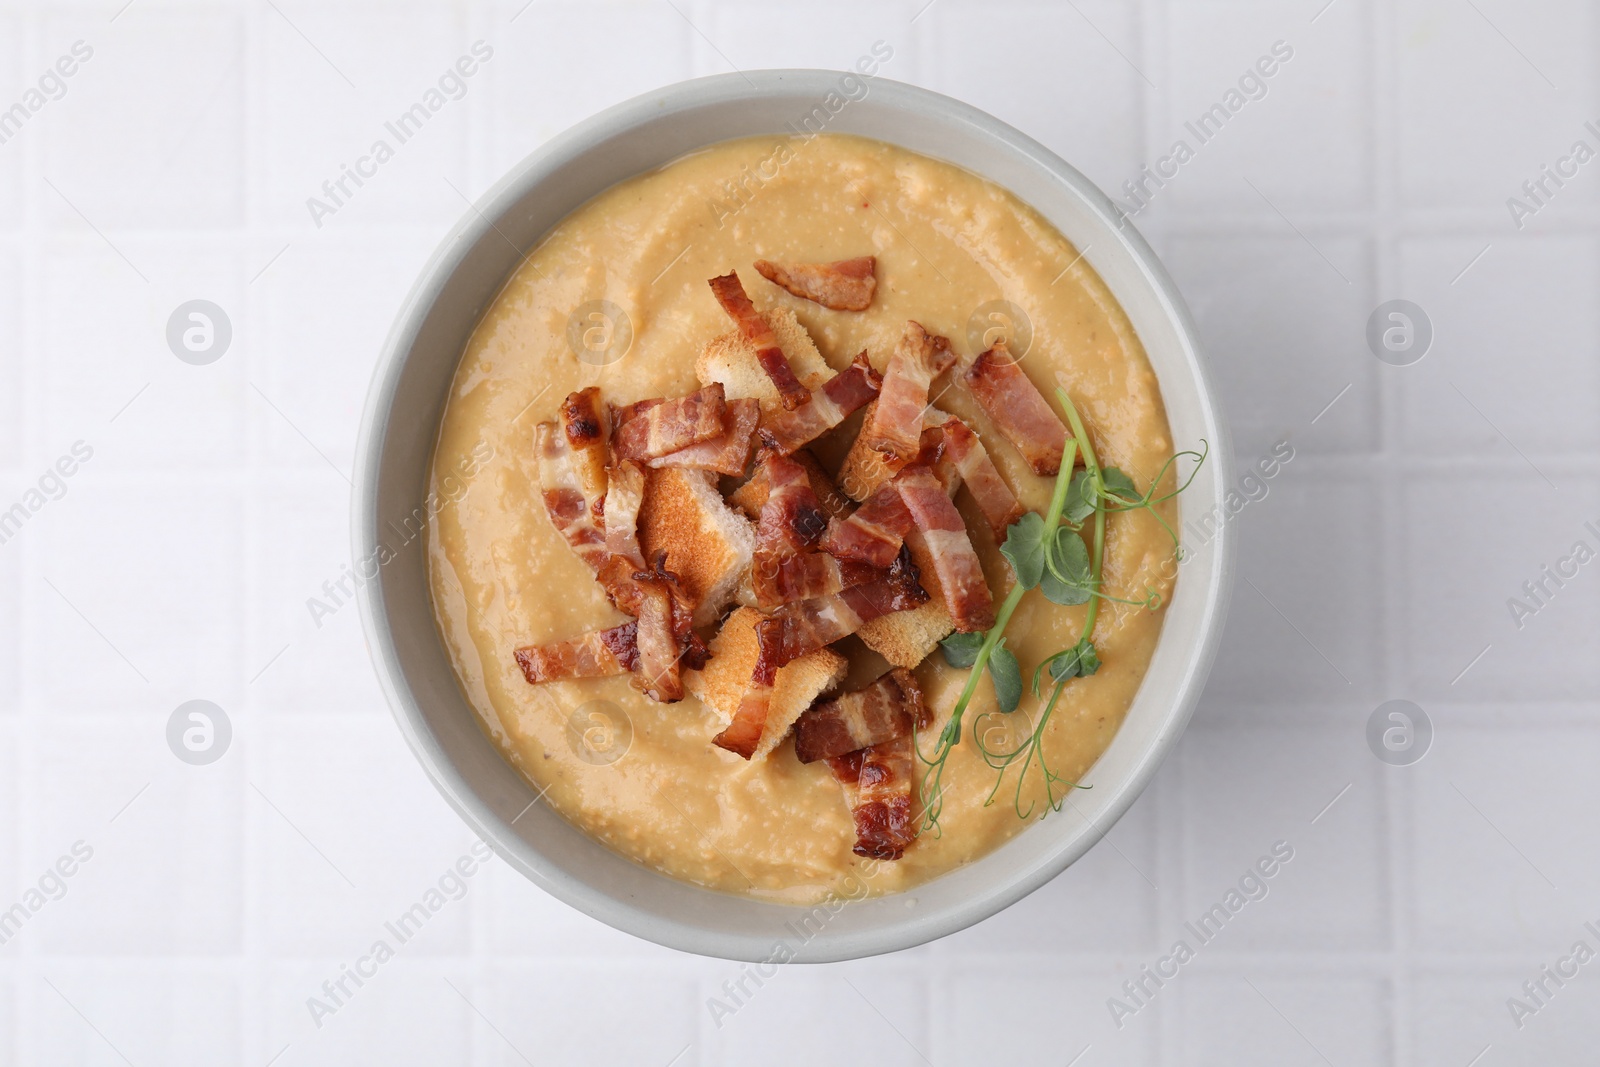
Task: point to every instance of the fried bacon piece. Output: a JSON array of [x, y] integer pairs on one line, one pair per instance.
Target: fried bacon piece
[[666, 639], [806, 576], [784, 567], [895, 426], [624, 497], [664, 625], [584, 423], [935, 456], [804, 626], [843, 285], [881, 712], [839, 396], [966, 593], [751, 497], [743, 734], [626, 412], [616, 577], [561, 489], [877, 783], [792, 519], [658, 673], [649, 430], [874, 532], [1017, 408], [994, 497], [758, 332], [693, 652], [727, 454], [594, 655]]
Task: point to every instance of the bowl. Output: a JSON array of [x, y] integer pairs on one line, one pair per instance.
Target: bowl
[[406, 401]]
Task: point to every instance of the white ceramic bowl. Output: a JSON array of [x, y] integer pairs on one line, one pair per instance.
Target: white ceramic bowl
[[400, 424]]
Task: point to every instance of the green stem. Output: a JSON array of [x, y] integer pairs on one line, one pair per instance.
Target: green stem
[[1094, 570], [1035, 747], [1058, 498], [1091, 465]]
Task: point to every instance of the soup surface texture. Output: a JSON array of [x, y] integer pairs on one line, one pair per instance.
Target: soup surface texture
[[950, 246]]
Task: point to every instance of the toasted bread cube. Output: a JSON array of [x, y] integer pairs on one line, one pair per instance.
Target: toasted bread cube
[[731, 360], [708, 544], [726, 678]]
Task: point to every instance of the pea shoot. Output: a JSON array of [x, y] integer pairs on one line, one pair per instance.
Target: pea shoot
[[1048, 553]]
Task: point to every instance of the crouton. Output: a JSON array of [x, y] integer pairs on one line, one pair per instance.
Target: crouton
[[708, 544], [906, 638], [726, 678], [731, 360]]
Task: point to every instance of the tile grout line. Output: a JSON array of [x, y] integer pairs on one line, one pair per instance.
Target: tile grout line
[[255, 982], [1384, 78], [27, 993]]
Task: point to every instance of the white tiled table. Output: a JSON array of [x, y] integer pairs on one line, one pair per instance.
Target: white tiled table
[[178, 562]]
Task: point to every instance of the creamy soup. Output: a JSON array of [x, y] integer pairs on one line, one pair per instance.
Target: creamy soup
[[947, 243]]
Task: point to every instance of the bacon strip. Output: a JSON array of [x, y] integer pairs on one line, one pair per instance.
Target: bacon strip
[[805, 576], [758, 332], [966, 593], [658, 674], [667, 642], [646, 432], [594, 655], [1017, 408], [727, 454], [562, 492], [896, 423], [881, 712], [751, 497], [743, 734], [584, 423], [874, 532], [843, 285], [792, 519], [804, 626], [620, 415], [693, 652], [877, 783], [664, 634], [839, 396], [994, 497], [624, 497], [935, 455]]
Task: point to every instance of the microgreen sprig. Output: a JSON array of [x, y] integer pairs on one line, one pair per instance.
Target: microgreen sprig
[[1047, 552], [1100, 491], [1024, 550], [1089, 490]]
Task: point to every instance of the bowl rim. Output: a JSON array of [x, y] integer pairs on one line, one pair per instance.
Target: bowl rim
[[453, 251]]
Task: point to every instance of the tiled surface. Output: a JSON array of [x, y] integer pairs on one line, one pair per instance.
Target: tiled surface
[[1380, 562]]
